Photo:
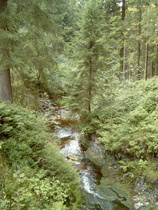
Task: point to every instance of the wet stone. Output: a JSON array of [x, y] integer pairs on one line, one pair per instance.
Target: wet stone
[[73, 157], [75, 154], [80, 167], [96, 154]]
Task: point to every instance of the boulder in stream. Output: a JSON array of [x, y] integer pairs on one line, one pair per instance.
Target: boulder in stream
[[96, 154]]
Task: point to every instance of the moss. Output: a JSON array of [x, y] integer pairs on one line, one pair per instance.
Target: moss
[[114, 191]]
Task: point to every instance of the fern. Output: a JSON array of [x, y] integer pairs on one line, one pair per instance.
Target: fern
[[26, 146]]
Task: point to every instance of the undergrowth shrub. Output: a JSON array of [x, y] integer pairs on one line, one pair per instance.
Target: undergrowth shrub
[[132, 128], [129, 129], [22, 135], [55, 164], [33, 175], [29, 189]]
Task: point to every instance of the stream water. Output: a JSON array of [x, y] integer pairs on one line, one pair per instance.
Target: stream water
[[90, 174]]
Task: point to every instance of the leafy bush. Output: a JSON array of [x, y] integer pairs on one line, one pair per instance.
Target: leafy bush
[[29, 189], [56, 165], [23, 135], [33, 173]]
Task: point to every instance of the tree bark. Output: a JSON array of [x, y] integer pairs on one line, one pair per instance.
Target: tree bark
[[3, 5], [5, 79], [5, 86], [90, 86], [152, 69], [42, 79], [139, 44], [146, 61], [122, 50], [156, 62]]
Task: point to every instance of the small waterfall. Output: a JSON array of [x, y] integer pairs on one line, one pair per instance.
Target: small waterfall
[[87, 182]]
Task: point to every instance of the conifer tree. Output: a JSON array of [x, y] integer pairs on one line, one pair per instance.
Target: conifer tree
[[141, 34], [31, 39], [122, 50], [5, 81], [96, 52], [87, 56]]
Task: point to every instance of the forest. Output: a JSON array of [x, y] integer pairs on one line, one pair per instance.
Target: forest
[[99, 60]]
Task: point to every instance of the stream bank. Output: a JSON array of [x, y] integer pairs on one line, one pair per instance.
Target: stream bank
[[96, 196], [102, 187], [139, 192]]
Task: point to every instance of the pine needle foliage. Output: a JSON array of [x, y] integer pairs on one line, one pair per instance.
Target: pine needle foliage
[[86, 49], [30, 42], [95, 53], [21, 135], [132, 128]]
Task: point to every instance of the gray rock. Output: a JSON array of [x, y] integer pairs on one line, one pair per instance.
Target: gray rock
[[96, 154], [73, 157]]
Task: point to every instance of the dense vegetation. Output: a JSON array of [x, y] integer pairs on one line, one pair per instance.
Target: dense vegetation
[[129, 128], [99, 58], [33, 173]]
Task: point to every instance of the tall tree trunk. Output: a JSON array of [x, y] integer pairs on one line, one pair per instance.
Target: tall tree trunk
[[152, 69], [90, 86], [146, 61], [5, 80], [5, 86], [156, 62], [123, 9], [42, 79], [139, 45], [122, 50], [3, 5]]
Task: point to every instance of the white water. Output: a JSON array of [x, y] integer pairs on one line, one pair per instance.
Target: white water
[[70, 147], [64, 132], [87, 182]]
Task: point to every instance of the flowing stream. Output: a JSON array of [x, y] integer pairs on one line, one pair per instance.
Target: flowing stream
[[98, 194], [90, 174], [94, 197]]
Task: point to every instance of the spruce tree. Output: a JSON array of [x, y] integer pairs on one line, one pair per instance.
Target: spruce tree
[[96, 52], [30, 38], [141, 34], [5, 44], [87, 56]]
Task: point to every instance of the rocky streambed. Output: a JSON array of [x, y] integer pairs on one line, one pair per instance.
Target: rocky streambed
[[137, 195], [102, 190], [96, 195]]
